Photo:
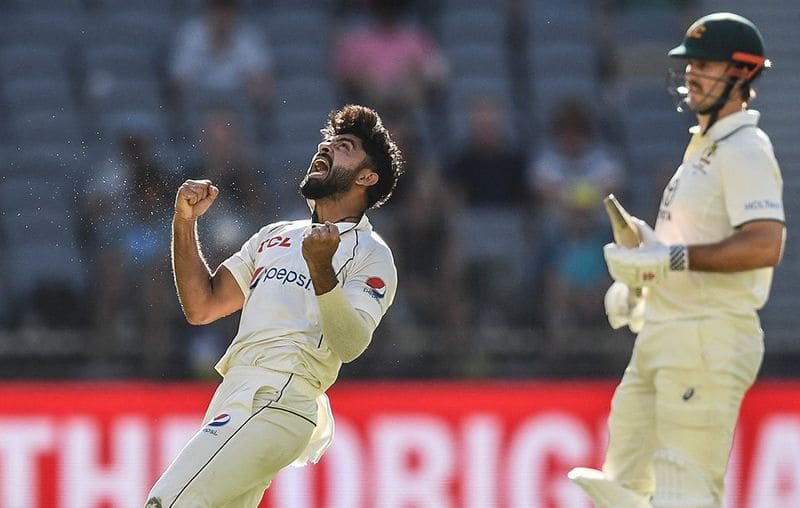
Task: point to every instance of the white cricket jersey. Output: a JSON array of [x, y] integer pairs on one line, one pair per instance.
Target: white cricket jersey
[[728, 177], [279, 328]]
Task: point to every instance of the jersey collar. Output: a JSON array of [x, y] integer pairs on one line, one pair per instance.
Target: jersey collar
[[363, 224], [730, 123]]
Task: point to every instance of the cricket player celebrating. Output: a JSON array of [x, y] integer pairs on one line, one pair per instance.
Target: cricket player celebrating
[[311, 293], [707, 269]]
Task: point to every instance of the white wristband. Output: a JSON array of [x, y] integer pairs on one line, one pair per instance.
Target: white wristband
[[678, 258]]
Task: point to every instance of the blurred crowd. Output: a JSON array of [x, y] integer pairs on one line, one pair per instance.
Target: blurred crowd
[[497, 226]]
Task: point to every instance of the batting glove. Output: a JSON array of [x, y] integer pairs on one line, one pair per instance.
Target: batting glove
[[646, 265], [625, 307]]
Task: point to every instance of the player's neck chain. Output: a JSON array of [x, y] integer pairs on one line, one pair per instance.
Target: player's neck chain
[[349, 218]]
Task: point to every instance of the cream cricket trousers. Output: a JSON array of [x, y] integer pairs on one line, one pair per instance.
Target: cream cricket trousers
[[682, 391], [257, 423]]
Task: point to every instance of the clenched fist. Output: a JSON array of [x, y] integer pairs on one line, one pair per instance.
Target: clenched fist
[[194, 198], [320, 244]]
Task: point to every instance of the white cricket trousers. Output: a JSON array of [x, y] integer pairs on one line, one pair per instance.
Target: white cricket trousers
[[682, 391], [257, 423]]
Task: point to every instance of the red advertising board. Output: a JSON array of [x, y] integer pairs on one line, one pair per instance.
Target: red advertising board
[[403, 445]]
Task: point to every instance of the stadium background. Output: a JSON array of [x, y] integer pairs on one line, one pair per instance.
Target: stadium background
[[86, 291]]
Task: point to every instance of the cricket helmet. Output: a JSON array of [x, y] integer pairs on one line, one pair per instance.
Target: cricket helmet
[[725, 37]]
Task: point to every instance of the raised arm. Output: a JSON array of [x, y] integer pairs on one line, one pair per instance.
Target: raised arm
[[204, 296], [346, 329]]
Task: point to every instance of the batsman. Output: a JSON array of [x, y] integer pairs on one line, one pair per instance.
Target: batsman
[[707, 270]]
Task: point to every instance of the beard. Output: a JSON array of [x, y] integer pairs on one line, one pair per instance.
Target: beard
[[335, 182]]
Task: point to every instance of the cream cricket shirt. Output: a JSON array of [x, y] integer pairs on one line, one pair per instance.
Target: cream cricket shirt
[[279, 327], [729, 177]]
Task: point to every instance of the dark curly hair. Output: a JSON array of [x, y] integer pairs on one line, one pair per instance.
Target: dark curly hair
[[383, 154]]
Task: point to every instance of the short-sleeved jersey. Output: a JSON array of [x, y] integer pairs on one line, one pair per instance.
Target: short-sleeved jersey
[[280, 322], [729, 177]]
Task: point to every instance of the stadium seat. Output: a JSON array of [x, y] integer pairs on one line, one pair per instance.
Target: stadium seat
[[47, 5], [42, 161], [50, 227], [47, 128], [52, 193], [494, 243], [473, 26], [301, 60], [52, 26], [478, 60], [149, 30], [565, 20], [660, 24], [121, 95], [30, 95], [295, 24], [42, 263], [155, 6], [304, 94], [32, 61], [120, 60], [564, 59]]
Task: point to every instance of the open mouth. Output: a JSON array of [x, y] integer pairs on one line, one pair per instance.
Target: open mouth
[[320, 165]]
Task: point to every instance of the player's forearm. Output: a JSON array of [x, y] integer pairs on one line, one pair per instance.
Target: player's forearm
[[749, 249], [192, 275], [344, 329], [323, 277]]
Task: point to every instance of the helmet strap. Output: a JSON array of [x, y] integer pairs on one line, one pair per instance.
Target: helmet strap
[[713, 110]]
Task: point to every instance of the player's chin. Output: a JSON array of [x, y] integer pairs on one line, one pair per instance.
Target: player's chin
[[696, 104], [312, 188]]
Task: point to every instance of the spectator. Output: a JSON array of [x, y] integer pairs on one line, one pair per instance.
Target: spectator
[[572, 162], [488, 170], [389, 60], [573, 157], [221, 58], [125, 225]]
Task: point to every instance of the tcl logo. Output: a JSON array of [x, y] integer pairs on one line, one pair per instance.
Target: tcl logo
[[275, 241]]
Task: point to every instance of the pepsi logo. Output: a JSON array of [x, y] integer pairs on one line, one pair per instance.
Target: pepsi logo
[[220, 420], [376, 287]]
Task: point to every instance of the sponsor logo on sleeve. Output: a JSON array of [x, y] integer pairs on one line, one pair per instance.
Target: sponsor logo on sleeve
[[762, 204], [218, 421], [375, 287]]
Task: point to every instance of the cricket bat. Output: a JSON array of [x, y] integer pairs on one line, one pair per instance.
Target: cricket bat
[[624, 231], [622, 226]]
